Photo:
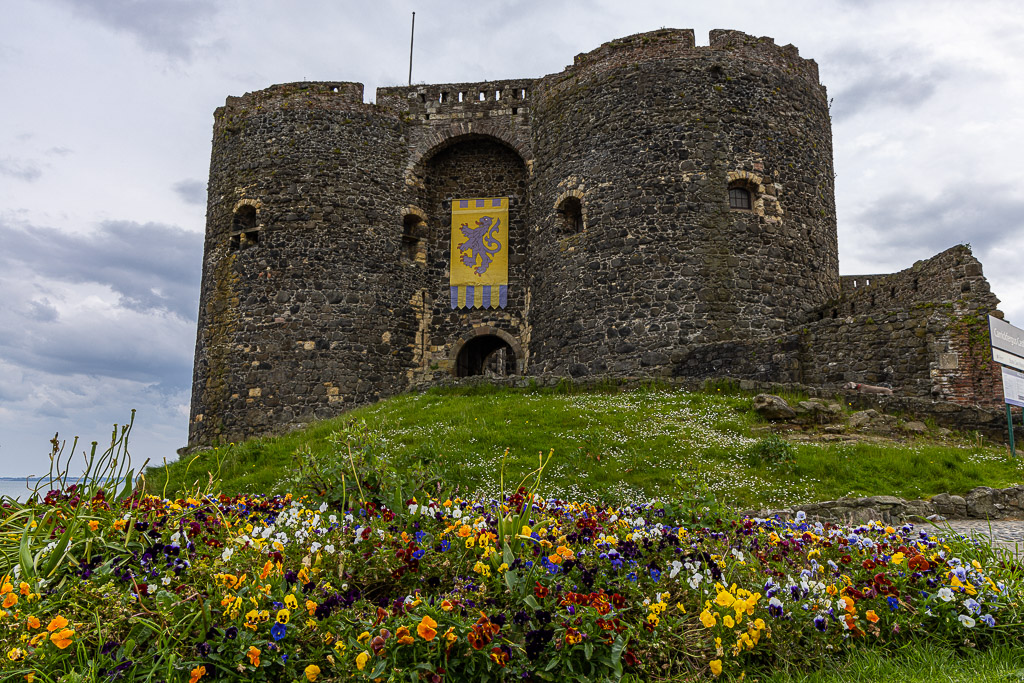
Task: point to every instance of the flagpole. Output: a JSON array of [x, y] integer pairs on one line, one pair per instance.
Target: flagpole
[[412, 36]]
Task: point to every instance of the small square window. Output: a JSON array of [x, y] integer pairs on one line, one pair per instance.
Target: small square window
[[739, 198]]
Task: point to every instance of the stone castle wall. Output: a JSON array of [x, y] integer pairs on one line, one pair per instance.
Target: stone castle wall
[[923, 331], [325, 277]]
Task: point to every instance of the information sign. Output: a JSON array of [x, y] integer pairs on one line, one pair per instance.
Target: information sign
[[1013, 387]]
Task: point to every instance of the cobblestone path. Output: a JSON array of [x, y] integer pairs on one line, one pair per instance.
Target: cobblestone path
[[1003, 533]]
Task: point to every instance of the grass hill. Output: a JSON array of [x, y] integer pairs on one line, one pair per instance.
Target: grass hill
[[609, 445]]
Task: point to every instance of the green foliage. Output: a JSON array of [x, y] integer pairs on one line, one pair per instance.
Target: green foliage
[[772, 450], [46, 543], [355, 464], [610, 445]]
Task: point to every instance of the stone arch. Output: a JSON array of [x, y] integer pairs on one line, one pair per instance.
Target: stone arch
[[485, 333], [438, 139]]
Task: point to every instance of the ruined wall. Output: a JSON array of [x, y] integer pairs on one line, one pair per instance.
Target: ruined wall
[[649, 132], [923, 331]]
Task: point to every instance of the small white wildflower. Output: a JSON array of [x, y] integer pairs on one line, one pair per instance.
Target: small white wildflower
[[323, 507], [329, 548], [226, 555], [166, 581], [150, 588], [966, 620], [945, 594], [314, 546]]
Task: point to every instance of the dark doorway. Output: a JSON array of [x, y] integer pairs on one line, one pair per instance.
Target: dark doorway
[[486, 355]]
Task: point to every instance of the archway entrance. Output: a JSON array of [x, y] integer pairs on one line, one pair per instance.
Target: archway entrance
[[486, 354]]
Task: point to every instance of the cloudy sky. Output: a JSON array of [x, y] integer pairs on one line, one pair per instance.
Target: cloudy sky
[[107, 113]]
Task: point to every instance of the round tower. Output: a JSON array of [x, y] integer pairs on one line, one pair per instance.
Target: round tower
[[305, 300], [681, 195]]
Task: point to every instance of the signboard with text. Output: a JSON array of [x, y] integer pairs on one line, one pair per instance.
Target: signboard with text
[[1013, 387], [1007, 343]]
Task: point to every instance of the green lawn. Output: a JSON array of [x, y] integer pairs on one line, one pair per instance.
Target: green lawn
[[608, 445], [923, 664]]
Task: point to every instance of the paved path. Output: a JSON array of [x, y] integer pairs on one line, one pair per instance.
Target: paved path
[[1003, 533]]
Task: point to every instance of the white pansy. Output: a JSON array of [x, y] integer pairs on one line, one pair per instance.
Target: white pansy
[[945, 594]]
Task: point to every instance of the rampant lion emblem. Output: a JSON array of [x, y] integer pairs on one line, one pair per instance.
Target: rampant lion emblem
[[480, 243]]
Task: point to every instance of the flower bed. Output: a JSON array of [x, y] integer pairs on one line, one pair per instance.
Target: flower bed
[[226, 588]]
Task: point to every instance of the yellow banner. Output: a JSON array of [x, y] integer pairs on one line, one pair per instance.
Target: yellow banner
[[479, 252]]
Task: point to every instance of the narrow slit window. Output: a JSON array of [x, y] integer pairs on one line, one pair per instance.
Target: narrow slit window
[[570, 214]]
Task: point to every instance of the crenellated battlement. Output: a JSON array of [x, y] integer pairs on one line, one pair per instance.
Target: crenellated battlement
[[458, 100], [680, 44], [307, 94]]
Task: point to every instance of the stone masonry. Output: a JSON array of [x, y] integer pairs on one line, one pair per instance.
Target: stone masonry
[[325, 273]]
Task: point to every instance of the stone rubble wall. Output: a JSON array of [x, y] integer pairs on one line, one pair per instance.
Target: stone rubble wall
[[979, 503], [649, 132], [922, 331]]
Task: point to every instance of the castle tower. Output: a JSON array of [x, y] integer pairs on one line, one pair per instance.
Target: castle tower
[[304, 304], [637, 254]]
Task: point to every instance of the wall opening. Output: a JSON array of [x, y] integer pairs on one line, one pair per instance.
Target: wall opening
[[486, 354], [244, 232], [739, 198], [570, 215], [414, 243]]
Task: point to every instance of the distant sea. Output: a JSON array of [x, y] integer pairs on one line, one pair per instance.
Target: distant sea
[[15, 486]]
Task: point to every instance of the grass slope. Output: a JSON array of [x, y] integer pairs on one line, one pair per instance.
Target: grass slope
[[608, 445]]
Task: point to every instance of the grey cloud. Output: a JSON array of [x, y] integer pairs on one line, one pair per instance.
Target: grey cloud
[[191, 191], [126, 350], [152, 267], [51, 409], [165, 27], [42, 311], [903, 90], [59, 151], [988, 215], [21, 170], [865, 79]]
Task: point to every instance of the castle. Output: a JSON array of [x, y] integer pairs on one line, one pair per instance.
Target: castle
[[670, 214]]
